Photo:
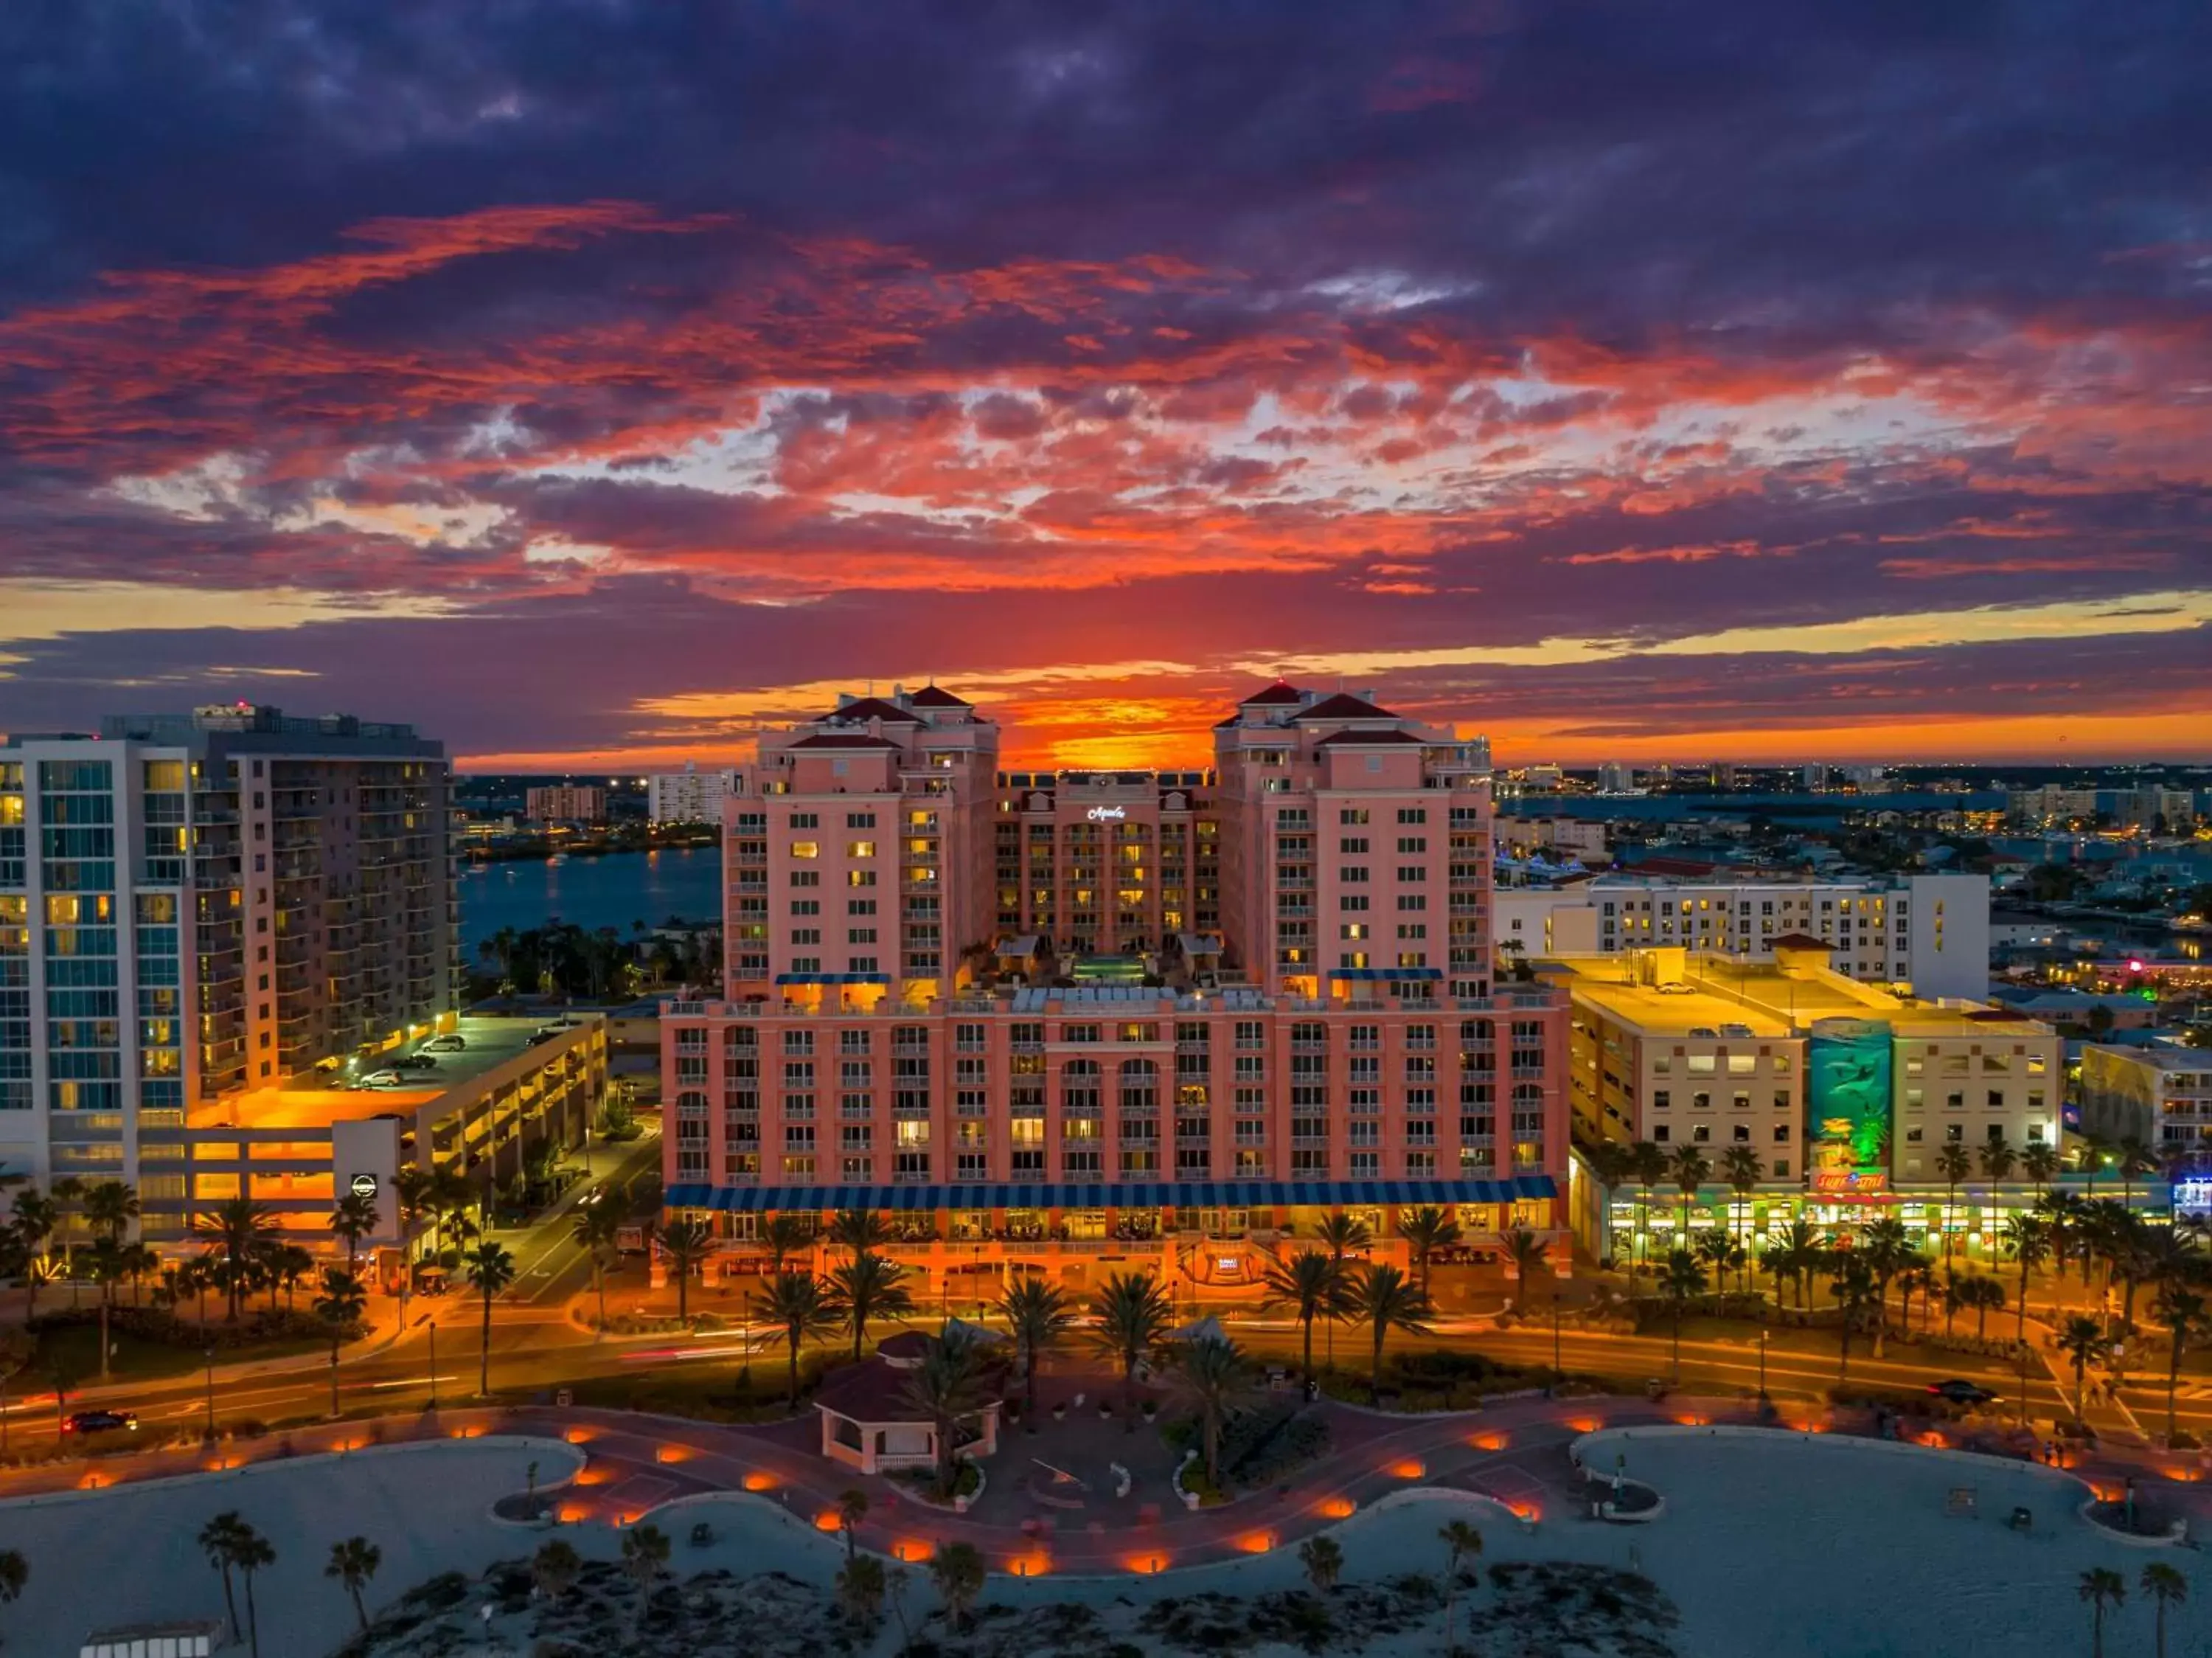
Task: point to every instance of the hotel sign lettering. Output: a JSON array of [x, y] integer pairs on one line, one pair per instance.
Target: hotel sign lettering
[[1108, 814]]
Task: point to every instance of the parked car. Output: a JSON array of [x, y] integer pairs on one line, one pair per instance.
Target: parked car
[[383, 1079], [1959, 1391], [100, 1422], [451, 1042], [416, 1062]]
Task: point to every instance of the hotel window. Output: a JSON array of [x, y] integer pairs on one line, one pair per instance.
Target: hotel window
[[1353, 843], [1352, 814], [805, 848], [1352, 873], [859, 819]]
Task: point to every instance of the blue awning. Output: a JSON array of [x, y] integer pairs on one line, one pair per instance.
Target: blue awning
[[1134, 1194]]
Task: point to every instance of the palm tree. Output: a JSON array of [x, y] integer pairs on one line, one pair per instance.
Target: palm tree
[[2184, 1314], [785, 1236], [1888, 1252], [353, 1219], [1997, 1158], [339, 1306], [1427, 1229], [852, 1509], [215, 1541], [237, 1238], [597, 1222], [287, 1265], [2081, 1339], [1741, 1167], [1954, 1163], [1777, 1262], [1985, 1296], [250, 1551], [2164, 1585], [110, 1206], [1852, 1280], [1384, 1299], [686, 1242], [644, 1556], [1132, 1316], [1312, 1284], [1719, 1252], [1461, 1543], [957, 1571], [1216, 1375], [2135, 1158], [1647, 1163], [490, 1267], [2101, 1586], [861, 1230], [2027, 1239], [1039, 1315], [555, 1568], [1323, 1560], [34, 1217], [2040, 1162], [1341, 1234], [803, 1306], [15, 1575], [2063, 1214], [1527, 1253], [1801, 1242], [1610, 1168], [1689, 1170], [106, 1262], [353, 1562], [1917, 1279], [1682, 1281], [2092, 1155], [859, 1588], [870, 1289]]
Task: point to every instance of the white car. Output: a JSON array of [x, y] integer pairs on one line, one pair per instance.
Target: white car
[[449, 1042], [383, 1079]]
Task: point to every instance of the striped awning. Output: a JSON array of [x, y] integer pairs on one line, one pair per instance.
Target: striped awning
[[1131, 1194]]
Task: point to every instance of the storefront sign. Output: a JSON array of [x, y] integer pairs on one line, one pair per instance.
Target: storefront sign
[[1108, 814], [363, 1186], [1849, 1182], [2192, 1197]]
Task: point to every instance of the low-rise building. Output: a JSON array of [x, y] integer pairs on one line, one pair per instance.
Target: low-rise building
[[2159, 1094], [1847, 1093], [1929, 931]]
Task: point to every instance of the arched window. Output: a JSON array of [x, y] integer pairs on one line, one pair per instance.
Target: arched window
[[1140, 1085]]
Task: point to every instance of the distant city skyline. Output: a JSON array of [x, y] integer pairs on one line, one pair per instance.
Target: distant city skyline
[[1633, 382]]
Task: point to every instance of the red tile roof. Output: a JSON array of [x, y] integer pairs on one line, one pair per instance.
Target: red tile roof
[[1273, 696], [1801, 942], [873, 708], [1365, 738], [1343, 706], [843, 740], [930, 697]]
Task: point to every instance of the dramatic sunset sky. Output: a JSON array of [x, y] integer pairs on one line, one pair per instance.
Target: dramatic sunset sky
[[589, 383]]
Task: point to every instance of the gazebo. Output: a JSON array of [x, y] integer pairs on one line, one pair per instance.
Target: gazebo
[[868, 1423]]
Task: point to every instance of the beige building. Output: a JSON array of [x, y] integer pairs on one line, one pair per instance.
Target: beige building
[[2162, 1095], [1678, 1048]]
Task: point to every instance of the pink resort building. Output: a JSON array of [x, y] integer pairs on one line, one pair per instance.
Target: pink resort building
[[1045, 1019]]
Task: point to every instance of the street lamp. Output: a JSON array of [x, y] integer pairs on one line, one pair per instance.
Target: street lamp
[[1762, 1364], [211, 1392], [433, 1365]]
